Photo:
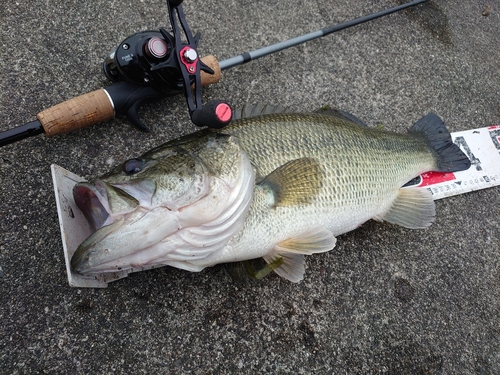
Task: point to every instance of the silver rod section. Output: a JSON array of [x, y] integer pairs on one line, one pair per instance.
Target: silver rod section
[[249, 56]]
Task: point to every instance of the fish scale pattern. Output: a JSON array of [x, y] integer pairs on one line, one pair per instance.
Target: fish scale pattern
[[362, 170]]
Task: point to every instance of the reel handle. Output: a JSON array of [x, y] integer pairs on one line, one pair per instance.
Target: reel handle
[[103, 104], [215, 114]]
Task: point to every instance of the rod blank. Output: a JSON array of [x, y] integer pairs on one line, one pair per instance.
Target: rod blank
[[264, 51]]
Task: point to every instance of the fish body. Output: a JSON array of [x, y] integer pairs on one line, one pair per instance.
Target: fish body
[[273, 186]]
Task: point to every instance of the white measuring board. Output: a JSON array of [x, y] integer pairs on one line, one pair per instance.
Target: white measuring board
[[75, 229], [482, 146]]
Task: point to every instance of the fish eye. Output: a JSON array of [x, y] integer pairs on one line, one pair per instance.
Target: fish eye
[[133, 166]]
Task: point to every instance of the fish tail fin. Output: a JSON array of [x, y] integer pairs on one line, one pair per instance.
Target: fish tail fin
[[449, 157]]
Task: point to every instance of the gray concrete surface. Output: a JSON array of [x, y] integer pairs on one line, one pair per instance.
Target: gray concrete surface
[[386, 300]]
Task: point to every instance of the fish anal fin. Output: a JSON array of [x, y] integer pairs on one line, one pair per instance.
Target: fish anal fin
[[413, 208], [293, 250], [294, 183]]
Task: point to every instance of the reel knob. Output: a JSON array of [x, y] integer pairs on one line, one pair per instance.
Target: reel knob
[[215, 114]]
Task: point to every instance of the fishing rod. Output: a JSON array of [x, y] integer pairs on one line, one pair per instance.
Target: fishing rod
[[152, 65]]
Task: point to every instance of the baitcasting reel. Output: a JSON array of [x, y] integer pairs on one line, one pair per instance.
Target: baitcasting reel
[[167, 65]]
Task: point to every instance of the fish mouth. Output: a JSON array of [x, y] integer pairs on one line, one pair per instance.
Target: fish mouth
[[106, 207], [102, 202], [92, 201]]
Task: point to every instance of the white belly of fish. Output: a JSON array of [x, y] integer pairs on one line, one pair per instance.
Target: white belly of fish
[[264, 229]]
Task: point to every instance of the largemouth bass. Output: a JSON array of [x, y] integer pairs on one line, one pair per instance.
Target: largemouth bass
[[277, 186]]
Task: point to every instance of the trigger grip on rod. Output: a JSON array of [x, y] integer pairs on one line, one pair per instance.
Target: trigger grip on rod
[[133, 115], [127, 98]]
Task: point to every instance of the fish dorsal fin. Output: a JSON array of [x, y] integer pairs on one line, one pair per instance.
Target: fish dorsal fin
[[413, 208], [254, 110], [293, 250], [449, 156], [294, 183], [340, 114]]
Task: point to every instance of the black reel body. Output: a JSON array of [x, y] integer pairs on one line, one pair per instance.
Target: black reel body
[[166, 65], [136, 58]]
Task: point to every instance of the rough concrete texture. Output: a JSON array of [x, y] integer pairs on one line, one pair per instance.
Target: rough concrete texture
[[385, 300]]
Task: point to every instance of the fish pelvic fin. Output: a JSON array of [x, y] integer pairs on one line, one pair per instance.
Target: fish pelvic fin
[[292, 251], [413, 208], [294, 183], [449, 156]]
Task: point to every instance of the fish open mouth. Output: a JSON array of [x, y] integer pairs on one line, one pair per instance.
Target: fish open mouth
[[92, 203]]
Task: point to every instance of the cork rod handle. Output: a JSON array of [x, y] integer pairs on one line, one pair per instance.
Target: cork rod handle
[[208, 79], [80, 112], [97, 106]]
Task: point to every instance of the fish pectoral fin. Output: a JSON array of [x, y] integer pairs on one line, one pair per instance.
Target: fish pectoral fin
[[294, 183], [293, 250], [413, 208]]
